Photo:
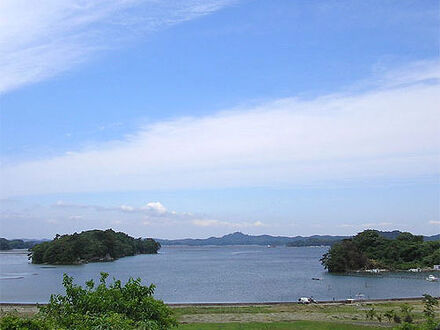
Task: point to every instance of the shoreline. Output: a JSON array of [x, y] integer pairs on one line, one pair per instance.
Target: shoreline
[[238, 304], [267, 315]]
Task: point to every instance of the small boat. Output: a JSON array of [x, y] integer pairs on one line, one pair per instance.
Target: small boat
[[432, 278], [316, 279]]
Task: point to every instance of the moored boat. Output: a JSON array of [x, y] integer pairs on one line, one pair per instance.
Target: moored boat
[[432, 278]]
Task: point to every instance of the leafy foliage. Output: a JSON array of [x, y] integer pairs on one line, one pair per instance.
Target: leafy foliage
[[406, 311], [114, 306], [370, 314], [89, 246], [389, 314], [369, 249], [14, 322]]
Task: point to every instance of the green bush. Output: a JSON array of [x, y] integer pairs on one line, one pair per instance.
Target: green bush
[[389, 314], [113, 306], [13, 322], [406, 311]]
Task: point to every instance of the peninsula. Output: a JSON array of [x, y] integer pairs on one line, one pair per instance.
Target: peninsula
[[371, 250]]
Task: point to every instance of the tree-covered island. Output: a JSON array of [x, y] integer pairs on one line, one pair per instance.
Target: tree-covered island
[[91, 246], [369, 250]]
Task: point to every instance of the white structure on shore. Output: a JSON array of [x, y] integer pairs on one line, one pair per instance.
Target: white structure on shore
[[415, 270]]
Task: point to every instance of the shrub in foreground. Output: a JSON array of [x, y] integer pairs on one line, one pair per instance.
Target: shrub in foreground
[[113, 306]]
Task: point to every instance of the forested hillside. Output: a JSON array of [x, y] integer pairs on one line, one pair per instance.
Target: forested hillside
[[91, 246], [370, 249]]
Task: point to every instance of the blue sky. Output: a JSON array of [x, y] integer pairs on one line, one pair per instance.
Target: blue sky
[[199, 118]]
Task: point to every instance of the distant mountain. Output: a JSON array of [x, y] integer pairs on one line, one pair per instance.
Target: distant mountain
[[6, 244], [432, 238], [393, 235], [239, 238]]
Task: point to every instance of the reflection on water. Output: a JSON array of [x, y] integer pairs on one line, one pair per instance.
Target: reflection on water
[[216, 274]]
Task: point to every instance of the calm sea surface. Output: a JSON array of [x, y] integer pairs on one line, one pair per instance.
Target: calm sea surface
[[215, 274]]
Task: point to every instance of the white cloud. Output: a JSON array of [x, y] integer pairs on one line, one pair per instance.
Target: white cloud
[[381, 134], [151, 208], [30, 220], [40, 39], [156, 207], [127, 208], [370, 225], [139, 221], [417, 71]]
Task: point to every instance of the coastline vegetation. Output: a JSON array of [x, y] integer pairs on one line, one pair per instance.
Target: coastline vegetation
[[91, 246], [420, 314], [370, 250]]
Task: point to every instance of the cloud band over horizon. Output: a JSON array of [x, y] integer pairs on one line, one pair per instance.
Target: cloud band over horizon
[[385, 133]]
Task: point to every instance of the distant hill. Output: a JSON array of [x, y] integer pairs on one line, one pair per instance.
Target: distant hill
[[395, 233], [432, 238], [239, 238], [6, 244]]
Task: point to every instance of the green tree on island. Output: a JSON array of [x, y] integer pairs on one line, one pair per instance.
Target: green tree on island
[[369, 249], [90, 246]]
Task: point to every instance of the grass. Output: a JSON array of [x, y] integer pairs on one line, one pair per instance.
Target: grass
[[294, 316], [222, 310], [278, 316], [300, 325]]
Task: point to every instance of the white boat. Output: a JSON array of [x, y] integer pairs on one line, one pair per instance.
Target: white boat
[[432, 278]]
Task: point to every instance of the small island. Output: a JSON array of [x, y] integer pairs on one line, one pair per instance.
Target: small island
[[369, 250], [90, 246]]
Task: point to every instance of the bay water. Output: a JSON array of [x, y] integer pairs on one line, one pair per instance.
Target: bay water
[[215, 274]]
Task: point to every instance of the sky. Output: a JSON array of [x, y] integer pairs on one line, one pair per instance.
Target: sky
[[174, 119]]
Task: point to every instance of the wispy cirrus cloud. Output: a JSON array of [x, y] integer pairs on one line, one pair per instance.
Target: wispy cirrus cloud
[[41, 39], [380, 134]]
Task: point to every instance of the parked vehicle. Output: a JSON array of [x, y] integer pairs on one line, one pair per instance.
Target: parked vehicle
[[306, 300]]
